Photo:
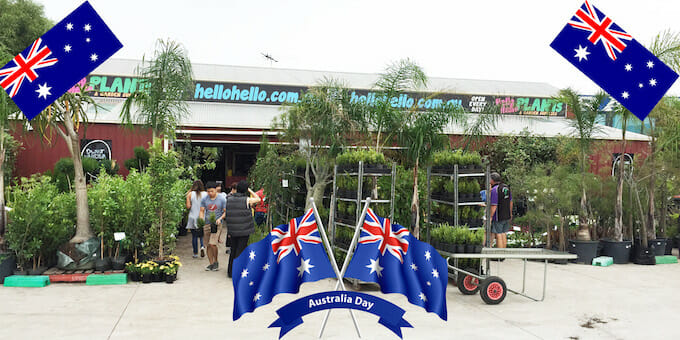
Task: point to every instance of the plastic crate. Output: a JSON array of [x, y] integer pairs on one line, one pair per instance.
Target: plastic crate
[[665, 259], [603, 261], [106, 279], [27, 281]]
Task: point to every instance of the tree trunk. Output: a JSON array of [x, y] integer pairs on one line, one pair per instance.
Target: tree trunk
[[562, 242], [583, 233], [643, 232], [415, 204], [160, 233], [618, 209], [651, 228], [83, 231]]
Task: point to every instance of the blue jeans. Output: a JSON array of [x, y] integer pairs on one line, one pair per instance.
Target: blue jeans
[[196, 234]]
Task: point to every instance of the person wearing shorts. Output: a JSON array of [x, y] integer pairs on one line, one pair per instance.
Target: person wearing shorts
[[501, 210], [213, 204]]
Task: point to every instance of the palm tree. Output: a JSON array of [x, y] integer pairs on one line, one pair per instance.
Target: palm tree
[[65, 116], [161, 101], [665, 46], [585, 127], [322, 123]]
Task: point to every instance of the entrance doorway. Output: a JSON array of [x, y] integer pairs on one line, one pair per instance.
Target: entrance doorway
[[232, 160]]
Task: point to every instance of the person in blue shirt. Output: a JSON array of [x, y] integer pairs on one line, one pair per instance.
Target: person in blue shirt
[[501, 210], [213, 204]]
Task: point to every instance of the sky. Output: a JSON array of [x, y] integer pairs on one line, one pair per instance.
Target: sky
[[481, 39]]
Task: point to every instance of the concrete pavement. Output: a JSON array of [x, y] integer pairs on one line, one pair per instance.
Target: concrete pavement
[[584, 302]]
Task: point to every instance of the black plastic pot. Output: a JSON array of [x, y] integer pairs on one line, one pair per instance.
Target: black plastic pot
[[146, 278], [478, 249], [7, 265], [669, 247], [376, 169], [102, 265], [37, 271], [460, 248], [118, 263], [619, 251], [585, 250], [134, 277], [170, 278], [469, 248], [659, 246]]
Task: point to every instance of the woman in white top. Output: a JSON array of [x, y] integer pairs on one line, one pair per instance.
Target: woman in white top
[[194, 198]]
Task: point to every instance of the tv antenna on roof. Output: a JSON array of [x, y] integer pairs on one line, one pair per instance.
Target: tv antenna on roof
[[270, 58]]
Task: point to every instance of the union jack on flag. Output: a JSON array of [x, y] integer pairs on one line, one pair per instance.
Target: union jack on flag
[[390, 256], [375, 230], [600, 29], [289, 256], [57, 60], [25, 67], [304, 230], [624, 68]]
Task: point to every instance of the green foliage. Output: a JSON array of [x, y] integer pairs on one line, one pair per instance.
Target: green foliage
[[64, 173], [41, 219], [162, 102], [365, 156], [20, 23], [136, 212], [104, 199], [167, 199], [196, 159], [140, 161]]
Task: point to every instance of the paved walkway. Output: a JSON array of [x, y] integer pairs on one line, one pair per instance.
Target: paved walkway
[[584, 302]]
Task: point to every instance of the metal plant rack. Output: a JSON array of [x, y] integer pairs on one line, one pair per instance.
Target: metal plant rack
[[360, 174], [456, 175]]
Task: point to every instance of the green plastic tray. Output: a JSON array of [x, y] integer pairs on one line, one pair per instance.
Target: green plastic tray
[[603, 261], [27, 281], [106, 279], [666, 259]]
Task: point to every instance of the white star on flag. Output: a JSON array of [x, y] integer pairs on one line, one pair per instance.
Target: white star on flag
[[87, 39], [429, 283], [67, 48], [422, 296], [427, 255], [435, 273], [43, 91], [251, 255], [69, 26], [251, 283], [257, 296], [244, 273], [266, 266], [640, 85], [94, 57], [374, 266], [413, 266], [305, 266], [87, 28], [652, 82], [625, 95], [629, 67], [650, 64], [581, 53]]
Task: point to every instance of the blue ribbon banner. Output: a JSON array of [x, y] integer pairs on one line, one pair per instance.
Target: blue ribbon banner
[[290, 315]]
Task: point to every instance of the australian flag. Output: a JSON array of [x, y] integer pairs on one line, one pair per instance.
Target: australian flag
[[390, 256], [615, 61], [290, 255], [67, 53]]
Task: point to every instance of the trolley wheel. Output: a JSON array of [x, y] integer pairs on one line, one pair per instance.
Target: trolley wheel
[[467, 284], [492, 290]]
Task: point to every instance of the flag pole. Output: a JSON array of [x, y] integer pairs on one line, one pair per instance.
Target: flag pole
[[335, 264], [350, 251]]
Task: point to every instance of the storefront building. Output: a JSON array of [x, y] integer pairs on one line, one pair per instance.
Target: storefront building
[[231, 107]]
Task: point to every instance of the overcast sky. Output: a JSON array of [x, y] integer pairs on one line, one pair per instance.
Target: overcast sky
[[479, 39]]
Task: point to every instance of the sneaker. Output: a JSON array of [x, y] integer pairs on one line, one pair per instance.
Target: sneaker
[[215, 267], [195, 256], [209, 267], [202, 251], [228, 250]]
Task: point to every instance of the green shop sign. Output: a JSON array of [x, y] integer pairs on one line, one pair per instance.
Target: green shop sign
[[269, 94]]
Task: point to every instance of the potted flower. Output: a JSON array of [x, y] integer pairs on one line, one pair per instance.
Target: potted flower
[[146, 271], [170, 272], [133, 271]]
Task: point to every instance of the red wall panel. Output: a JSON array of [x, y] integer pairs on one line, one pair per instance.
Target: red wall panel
[[36, 156]]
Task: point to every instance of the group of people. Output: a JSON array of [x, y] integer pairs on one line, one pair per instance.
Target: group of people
[[216, 216]]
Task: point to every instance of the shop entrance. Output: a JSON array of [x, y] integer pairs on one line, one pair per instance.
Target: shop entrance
[[232, 160]]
